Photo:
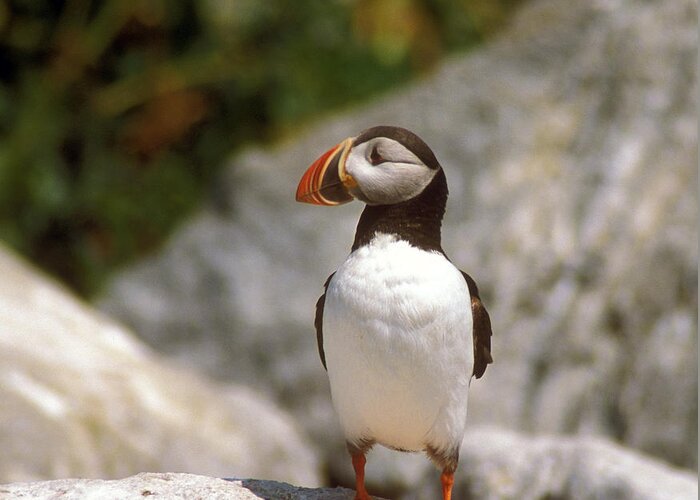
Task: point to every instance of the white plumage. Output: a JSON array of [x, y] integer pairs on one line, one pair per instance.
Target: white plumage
[[397, 332]]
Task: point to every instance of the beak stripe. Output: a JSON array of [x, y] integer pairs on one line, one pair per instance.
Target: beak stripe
[[325, 182]]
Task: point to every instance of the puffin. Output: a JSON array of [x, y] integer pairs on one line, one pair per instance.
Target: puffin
[[400, 330]]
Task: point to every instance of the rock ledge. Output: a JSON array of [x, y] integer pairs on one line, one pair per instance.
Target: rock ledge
[[169, 485]]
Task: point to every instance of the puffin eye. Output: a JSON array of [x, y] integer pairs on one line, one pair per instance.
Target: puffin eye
[[374, 157]]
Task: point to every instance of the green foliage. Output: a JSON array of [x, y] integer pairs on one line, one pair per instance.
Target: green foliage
[[116, 115]]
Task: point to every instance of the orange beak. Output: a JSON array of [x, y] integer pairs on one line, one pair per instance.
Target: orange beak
[[326, 182]]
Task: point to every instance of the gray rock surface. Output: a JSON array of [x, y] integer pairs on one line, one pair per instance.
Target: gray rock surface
[[169, 486], [570, 146], [497, 465], [80, 396], [500, 465]]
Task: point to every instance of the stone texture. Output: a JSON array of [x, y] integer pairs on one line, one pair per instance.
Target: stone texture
[[80, 396], [500, 465], [171, 486], [570, 145], [497, 465]]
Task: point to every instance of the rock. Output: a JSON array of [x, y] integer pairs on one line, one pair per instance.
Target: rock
[[498, 464], [82, 397], [570, 146], [171, 486]]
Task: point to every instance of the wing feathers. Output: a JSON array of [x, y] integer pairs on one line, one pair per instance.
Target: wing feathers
[[318, 321], [482, 329]]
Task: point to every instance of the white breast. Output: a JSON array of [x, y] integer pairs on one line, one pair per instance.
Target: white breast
[[397, 330]]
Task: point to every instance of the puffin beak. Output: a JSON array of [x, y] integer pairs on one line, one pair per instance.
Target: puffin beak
[[326, 182]]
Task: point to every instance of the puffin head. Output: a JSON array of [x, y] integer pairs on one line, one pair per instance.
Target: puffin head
[[383, 165]]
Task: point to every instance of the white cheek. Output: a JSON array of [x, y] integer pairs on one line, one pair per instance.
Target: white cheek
[[396, 182], [390, 182]]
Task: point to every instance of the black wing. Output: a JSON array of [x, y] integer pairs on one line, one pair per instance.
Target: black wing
[[482, 329], [318, 321]]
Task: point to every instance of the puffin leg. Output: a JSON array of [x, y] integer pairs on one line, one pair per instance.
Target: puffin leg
[[358, 463], [447, 460], [357, 452], [447, 479]]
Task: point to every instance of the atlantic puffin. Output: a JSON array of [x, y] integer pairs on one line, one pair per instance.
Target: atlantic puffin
[[400, 330]]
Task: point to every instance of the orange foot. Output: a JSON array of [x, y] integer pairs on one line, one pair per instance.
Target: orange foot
[[448, 480], [358, 463]]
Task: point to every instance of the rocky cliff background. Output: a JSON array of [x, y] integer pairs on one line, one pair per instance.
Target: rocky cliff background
[[571, 155]]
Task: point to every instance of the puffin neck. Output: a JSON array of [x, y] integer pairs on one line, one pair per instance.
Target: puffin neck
[[417, 221]]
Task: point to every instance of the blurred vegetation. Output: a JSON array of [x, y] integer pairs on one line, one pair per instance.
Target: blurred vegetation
[[115, 115]]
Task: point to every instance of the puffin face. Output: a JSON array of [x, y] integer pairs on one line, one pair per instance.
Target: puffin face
[[381, 166]]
